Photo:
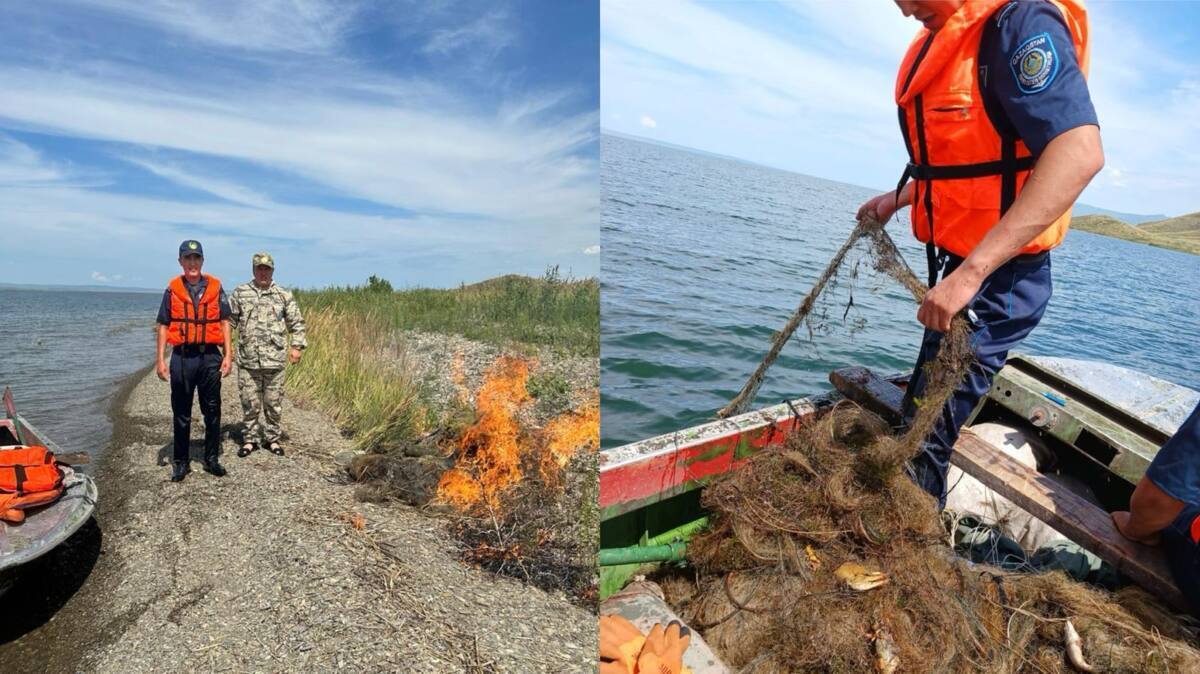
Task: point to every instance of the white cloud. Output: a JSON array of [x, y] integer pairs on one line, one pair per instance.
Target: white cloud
[[106, 278], [731, 88], [214, 186], [253, 103], [487, 35], [1146, 101], [685, 33], [22, 165], [1114, 176], [867, 28], [409, 157], [821, 102], [649, 122], [308, 26], [592, 250]]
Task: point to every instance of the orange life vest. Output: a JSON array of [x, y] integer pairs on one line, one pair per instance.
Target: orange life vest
[[191, 324], [967, 172], [29, 476]]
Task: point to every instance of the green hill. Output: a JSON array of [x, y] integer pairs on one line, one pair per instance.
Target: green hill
[[1187, 226], [1181, 233]]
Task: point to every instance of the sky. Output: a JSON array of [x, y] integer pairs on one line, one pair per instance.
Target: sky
[[808, 87], [430, 142]]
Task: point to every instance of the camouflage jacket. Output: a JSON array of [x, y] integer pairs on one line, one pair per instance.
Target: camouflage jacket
[[263, 319]]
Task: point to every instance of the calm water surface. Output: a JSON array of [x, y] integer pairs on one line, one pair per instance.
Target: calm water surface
[[64, 353], [706, 257]]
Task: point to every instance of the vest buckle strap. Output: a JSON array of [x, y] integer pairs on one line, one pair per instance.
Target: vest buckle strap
[[977, 170]]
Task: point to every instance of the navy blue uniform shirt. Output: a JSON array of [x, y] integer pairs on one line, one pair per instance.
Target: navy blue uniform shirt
[[1029, 74], [1176, 467], [197, 291]]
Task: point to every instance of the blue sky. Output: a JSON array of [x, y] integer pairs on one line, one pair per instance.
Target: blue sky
[[807, 86], [429, 142]]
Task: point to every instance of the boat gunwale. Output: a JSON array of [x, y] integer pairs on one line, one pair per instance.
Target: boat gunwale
[[667, 443], [642, 473]]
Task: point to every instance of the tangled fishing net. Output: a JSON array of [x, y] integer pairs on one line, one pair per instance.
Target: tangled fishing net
[[824, 556]]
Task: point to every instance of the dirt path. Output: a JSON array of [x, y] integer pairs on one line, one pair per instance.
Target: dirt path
[[265, 570]]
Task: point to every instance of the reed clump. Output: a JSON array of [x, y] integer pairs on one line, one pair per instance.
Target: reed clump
[[354, 370]]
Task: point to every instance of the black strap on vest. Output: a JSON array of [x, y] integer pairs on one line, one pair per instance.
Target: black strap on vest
[[19, 474], [930, 251], [1005, 167]]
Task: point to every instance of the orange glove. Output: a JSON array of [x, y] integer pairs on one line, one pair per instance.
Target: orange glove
[[620, 643], [663, 650]]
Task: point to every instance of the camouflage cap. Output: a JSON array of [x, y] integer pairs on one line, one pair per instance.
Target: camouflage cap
[[263, 259]]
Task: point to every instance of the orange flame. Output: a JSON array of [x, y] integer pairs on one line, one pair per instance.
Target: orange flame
[[490, 451], [566, 435]]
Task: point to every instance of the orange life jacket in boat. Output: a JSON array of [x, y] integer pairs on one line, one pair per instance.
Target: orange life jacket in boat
[[29, 476], [191, 324], [967, 172]]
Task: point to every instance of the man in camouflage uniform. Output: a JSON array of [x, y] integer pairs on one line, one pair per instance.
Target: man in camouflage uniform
[[264, 314]]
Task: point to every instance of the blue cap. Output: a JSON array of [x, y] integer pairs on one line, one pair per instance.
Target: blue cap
[[191, 247]]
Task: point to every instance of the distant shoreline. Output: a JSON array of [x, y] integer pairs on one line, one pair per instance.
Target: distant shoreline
[[76, 288], [1180, 234]]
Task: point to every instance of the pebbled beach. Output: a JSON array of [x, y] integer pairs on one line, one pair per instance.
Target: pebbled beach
[[275, 567]]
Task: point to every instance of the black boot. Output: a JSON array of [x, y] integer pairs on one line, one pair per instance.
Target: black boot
[[211, 465], [180, 471]]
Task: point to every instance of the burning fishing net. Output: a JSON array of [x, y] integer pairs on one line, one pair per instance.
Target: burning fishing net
[[824, 556], [523, 494]]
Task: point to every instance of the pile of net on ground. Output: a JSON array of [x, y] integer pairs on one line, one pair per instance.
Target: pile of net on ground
[[799, 527]]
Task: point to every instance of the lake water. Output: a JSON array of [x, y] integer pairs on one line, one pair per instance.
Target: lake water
[[706, 257], [65, 353]]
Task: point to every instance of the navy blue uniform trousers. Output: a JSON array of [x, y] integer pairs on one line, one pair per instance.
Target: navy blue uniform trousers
[[1176, 470], [196, 369], [1183, 555], [1008, 306]]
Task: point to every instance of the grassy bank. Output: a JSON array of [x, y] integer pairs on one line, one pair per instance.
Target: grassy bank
[[547, 311], [1181, 234]]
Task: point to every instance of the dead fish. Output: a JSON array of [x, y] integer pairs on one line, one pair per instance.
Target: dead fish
[[886, 659], [1075, 648], [859, 578]]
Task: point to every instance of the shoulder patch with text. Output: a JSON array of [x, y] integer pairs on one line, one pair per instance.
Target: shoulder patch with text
[[1034, 63]]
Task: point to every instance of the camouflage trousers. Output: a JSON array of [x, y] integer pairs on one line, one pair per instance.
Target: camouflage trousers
[[261, 392]]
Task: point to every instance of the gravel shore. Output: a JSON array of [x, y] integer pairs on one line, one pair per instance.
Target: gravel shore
[[276, 567]]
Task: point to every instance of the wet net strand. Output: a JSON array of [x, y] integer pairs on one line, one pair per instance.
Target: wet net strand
[[887, 259]]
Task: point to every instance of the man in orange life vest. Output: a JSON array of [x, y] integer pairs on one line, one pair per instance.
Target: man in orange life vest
[[194, 320], [1002, 137]]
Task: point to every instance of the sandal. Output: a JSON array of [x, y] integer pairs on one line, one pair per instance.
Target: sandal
[[275, 448], [246, 449]]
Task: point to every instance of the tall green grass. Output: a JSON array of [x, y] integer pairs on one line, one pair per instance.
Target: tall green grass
[[548, 311], [355, 372]]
